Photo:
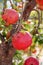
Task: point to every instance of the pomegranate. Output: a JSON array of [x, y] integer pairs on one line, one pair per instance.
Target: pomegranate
[[21, 40], [10, 16], [31, 61]]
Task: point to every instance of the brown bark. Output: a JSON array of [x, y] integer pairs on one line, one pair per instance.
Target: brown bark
[[28, 8], [6, 49], [6, 54]]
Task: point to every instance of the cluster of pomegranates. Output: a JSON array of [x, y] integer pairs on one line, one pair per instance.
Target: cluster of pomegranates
[[21, 40]]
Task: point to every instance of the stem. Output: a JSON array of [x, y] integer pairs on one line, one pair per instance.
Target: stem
[[30, 4], [4, 4], [16, 28], [30, 51], [11, 4], [41, 16], [35, 31], [38, 18]]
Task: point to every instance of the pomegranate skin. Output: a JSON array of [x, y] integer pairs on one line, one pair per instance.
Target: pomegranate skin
[[10, 16], [40, 7], [31, 61], [21, 40], [39, 2]]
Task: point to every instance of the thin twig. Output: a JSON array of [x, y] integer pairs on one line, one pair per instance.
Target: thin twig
[[38, 18], [11, 4], [4, 4]]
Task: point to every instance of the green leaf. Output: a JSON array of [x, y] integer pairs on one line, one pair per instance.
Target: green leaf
[[4, 33], [21, 63], [40, 40], [36, 39]]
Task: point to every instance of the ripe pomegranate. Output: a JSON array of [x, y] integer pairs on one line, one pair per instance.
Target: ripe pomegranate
[[40, 3], [10, 16], [40, 7], [21, 40], [31, 61]]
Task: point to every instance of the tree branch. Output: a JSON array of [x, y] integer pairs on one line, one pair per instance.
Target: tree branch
[[4, 6], [30, 4], [11, 4]]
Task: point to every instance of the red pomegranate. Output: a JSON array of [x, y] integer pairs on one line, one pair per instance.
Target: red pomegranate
[[40, 3], [21, 40], [40, 7], [31, 61], [10, 16]]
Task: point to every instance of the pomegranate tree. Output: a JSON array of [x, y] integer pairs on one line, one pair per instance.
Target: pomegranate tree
[[18, 34]]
